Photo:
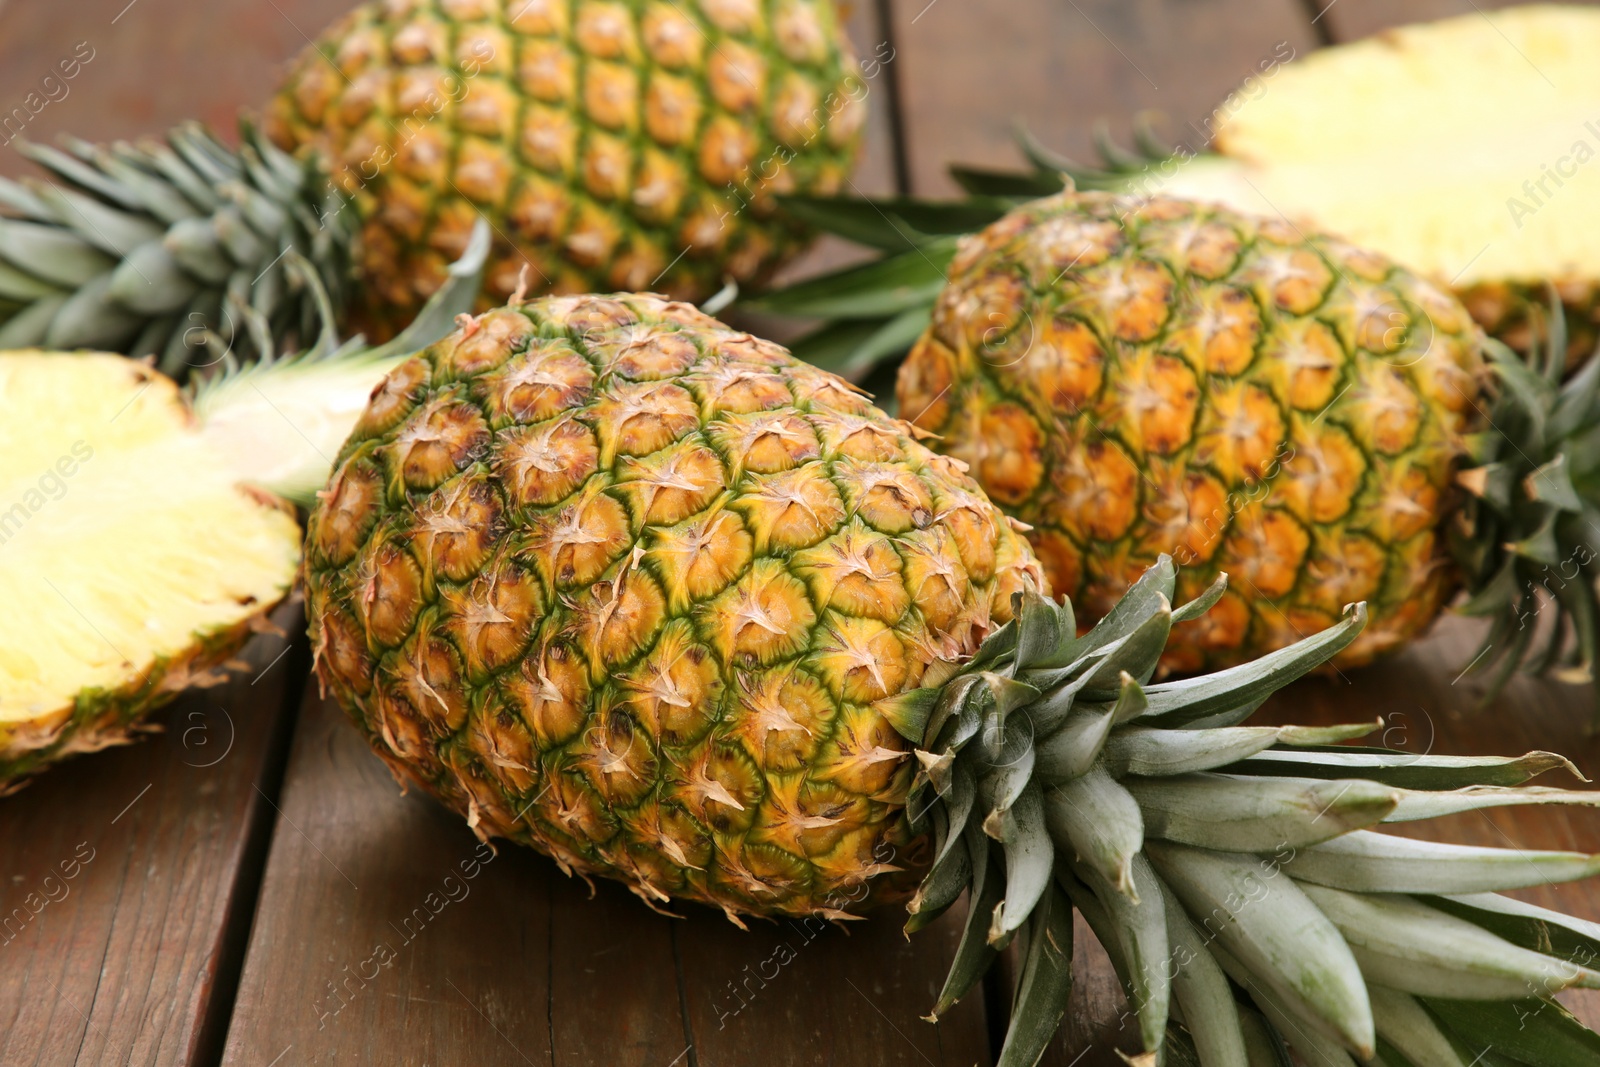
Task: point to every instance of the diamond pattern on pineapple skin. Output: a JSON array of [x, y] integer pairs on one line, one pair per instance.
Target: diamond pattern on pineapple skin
[[474, 101], [647, 621], [1330, 404]]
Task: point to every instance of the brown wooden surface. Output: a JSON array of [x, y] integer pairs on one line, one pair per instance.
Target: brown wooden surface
[[156, 62], [135, 871], [971, 69], [226, 915], [520, 963]]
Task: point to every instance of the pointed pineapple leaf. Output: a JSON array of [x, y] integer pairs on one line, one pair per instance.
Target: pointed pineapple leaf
[[1046, 983]]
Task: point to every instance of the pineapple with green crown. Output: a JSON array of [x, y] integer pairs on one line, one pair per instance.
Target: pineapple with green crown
[[609, 145], [650, 595], [715, 563], [1134, 376]]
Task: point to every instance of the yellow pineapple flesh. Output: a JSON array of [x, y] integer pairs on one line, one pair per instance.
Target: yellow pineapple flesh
[[1134, 377], [134, 561]]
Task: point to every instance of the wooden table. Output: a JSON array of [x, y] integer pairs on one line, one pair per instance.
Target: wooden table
[[250, 887]]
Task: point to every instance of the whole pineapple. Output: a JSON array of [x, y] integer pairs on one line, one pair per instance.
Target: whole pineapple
[[629, 586], [659, 600], [609, 145], [1138, 377]]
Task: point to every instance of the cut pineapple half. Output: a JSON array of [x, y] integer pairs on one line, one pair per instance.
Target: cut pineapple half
[[1467, 148], [132, 559]]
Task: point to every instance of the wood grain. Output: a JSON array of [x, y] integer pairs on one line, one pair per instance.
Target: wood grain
[[970, 70], [351, 959], [155, 62], [127, 878]]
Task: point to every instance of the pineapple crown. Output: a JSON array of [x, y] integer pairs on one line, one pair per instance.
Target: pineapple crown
[[245, 407], [151, 249], [1229, 871], [1525, 537]]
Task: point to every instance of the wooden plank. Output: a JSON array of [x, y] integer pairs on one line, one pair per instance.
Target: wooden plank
[[1426, 710], [384, 933], [970, 70], [127, 880], [145, 65], [1347, 20], [350, 958], [795, 992]]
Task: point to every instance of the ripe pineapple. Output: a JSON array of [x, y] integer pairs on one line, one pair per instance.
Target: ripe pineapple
[[1135, 377], [648, 593], [608, 144], [611, 536], [607, 141]]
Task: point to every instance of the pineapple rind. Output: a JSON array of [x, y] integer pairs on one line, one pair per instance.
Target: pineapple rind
[[625, 585], [99, 717], [1134, 377], [613, 146]]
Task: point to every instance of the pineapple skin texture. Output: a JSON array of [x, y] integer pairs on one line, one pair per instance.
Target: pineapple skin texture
[[1138, 376], [611, 145], [622, 584]]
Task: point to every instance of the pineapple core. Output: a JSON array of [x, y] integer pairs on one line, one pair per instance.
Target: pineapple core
[[126, 542], [1467, 149]]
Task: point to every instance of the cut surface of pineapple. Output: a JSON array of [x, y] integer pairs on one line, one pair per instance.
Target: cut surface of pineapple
[[1444, 145], [132, 559]]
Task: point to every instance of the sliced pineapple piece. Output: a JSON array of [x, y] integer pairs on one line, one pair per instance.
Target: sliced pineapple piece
[[1444, 145], [133, 562]]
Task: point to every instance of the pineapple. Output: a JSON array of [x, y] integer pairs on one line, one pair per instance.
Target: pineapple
[[150, 530], [649, 594], [655, 598], [614, 145], [198, 562], [611, 536], [1135, 376], [609, 145]]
